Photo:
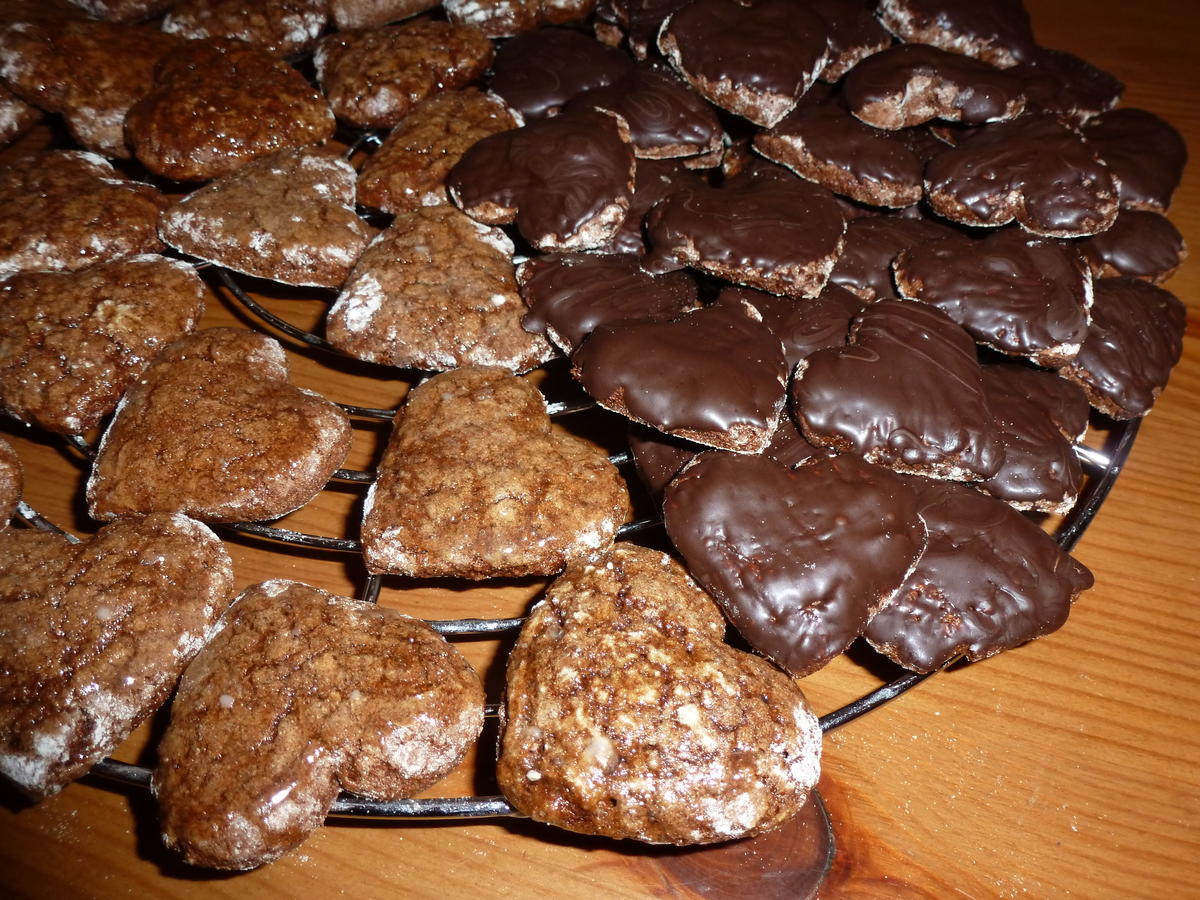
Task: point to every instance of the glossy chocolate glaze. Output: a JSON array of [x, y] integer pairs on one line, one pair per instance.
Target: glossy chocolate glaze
[[1072, 88], [638, 19], [537, 72], [804, 325], [715, 376], [996, 31], [1141, 243], [782, 550], [989, 580], [906, 392], [854, 34], [1145, 153], [872, 242], [1063, 401], [655, 179], [570, 295]]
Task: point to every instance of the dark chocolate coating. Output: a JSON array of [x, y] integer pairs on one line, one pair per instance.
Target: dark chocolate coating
[[854, 33], [1141, 243], [715, 376], [1062, 401], [996, 31], [1072, 88], [989, 580], [872, 242], [906, 393], [1135, 339], [805, 326], [655, 180], [1146, 154], [570, 295], [537, 72], [1033, 169], [639, 19], [1019, 294], [783, 551]]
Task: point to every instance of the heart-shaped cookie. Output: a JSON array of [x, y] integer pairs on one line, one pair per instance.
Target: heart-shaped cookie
[[94, 635], [474, 483], [299, 695], [215, 429], [628, 716], [782, 550]]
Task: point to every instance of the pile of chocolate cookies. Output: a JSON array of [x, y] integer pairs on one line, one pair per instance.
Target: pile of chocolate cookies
[[851, 275]]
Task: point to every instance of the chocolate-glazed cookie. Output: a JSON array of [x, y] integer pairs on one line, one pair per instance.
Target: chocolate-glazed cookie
[[804, 326], [997, 32], [1033, 169], [989, 580], [781, 550], [1135, 339], [1064, 402], [635, 21], [1141, 243], [872, 242], [906, 393], [1145, 153], [656, 179], [854, 34], [1073, 89]]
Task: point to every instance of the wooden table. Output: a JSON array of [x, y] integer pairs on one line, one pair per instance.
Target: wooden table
[[1066, 767]]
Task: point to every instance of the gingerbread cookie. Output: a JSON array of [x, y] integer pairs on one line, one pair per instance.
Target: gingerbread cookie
[[435, 291], [804, 326], [1141, 243], [301, 694], [284, 27], [872, 242], [94, 635], [655, 180], [1145, 153], [122, 10], [997, 32], [504, 18], [16, 116], [1071, 88], [854, 34], [725, 745], [12, 482], [215, 429], [288, 217], [475, 484], [633, 22], [347, 14]]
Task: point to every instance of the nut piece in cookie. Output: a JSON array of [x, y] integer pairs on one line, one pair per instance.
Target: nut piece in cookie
[[215, 429], [1145, 153], [1141, 244], [65, 210], [94, 635], [436, 291], [474, 483], [409, 169], [284, 27], [299, 695], [990, 579], [72, 342], [219, 103], [373, 79], [628, 716], [288, 217], [997, 32], [782, 550], [12, 482]]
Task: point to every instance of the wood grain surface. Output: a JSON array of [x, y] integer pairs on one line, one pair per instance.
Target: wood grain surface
[[1066, 768]]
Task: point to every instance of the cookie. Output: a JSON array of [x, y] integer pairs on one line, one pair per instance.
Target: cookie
[[1071, 88], [409, 168], [1034, 170], [95, 634], [284, 27], [1141, 243], [435, 291], [865, 265], [122, 10], [68, 209], [219, 103], [789, 233], [301, 694], [215, 429], [655, 180], [72, 342], [906, 393], [997, 32], [475, 484], [854, 34], [571, 295], [781, 549], [12, 482], [347, 14], [1145, 153], [725, 745], [715, 376], [804, 326], [288, 217], [1063, 402], [635, 23], [1134, 341], [536, 73], [565, 182], [505, 18], [754, 60], [990, 580], [16, 116], [89, 72], [373, 79], [1016, 293], [911, 84]]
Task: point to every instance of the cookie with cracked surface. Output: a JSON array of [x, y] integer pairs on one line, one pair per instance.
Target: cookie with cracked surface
[[284, 27], [16, 116], [215, 429], [865, 265], [434, 292], [219, 103], [12, 482], [1145, 153], [122, 10], [724, 746], [474, 483], [288, 217], [94, 636], [1141, 243], [505, 18], [997, 32], [347, 14], [302, 694], [373, 79], [72, 342]]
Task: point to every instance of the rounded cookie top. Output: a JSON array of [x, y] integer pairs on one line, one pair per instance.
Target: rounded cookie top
[[1141, 243], [997, 32], [284, 27], [12, 482], [1146, 155]]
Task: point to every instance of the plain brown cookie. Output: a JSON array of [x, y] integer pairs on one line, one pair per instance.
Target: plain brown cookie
[[93, 636], [72, 342], [475, 483], [288, 217], [348, 14], [300, 694], [12, 482], [504, 18], [436, 291], [628, 716], [219, 103], [16, 116], [65, 210], [215, 429], [122, 10], [284, 27]]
